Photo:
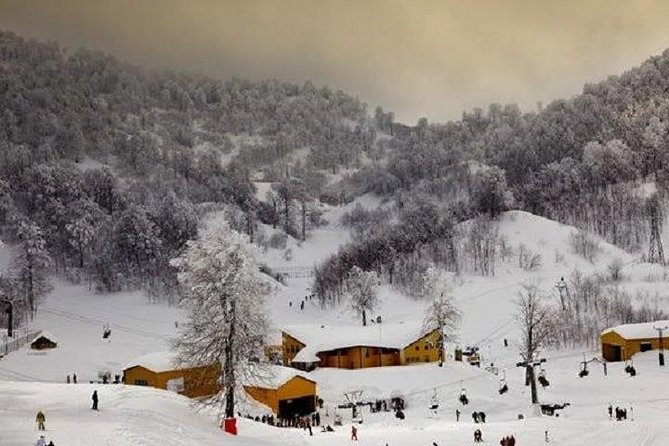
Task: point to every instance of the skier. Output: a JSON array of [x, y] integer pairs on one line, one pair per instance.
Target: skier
[[475, 417], [482, 417], [95, 400], [354, 433], [610, 411], [74, 378], [546, 436], [457, 414], [40, 419], [40, 441]]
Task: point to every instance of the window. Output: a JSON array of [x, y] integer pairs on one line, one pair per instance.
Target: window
[[645, 346], [141, 382]]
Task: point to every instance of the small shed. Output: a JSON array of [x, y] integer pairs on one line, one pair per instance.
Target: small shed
[[161, 370], [288, 392], [44, 341], [622, 342]]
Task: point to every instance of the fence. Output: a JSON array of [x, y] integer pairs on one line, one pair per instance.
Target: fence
[[294, 272], [21, 337]]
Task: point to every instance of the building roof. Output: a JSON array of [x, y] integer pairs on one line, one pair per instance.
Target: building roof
[[274, 376], [320, 338], [643, 330], [46, 335], [157, 362]]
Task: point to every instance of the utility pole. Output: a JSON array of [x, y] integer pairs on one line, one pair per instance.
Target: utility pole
[[529, 376], [661, 352]]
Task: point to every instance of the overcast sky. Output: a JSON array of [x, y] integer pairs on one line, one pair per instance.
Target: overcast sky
[[417, 58]]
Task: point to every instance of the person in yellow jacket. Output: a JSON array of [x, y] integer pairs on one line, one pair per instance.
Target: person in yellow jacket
[[40, 419]]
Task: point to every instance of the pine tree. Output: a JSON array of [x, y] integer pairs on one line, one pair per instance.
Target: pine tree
[[225, 301]]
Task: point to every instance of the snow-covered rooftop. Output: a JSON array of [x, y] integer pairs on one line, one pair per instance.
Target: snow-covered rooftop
[[156, 362], [320, 338], [45, 334], [274, 376], [643, 330]]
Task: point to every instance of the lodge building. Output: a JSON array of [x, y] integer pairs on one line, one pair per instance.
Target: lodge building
[[353, 347], [622, 342]]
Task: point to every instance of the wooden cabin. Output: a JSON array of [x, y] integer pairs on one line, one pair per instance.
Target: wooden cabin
[[622, 342], [354, 347], [159, 370], [43, 341], [285, 391]]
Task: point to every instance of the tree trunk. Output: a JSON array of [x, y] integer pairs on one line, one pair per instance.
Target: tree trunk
[[304, 221], [228, 366]]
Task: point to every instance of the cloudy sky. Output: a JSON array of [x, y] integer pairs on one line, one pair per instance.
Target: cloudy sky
[[418, 58]]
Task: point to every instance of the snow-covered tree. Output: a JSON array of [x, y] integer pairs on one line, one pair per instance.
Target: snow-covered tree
[[30, 265], [441, 313], [361, 286], [225, 301], [536, 330]]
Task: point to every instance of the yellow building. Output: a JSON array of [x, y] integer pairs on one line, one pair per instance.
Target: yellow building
[[285, 390], [622, 342], [354, 347], [159, 370]]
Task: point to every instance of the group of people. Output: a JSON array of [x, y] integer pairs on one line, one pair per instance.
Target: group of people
[[308, 297], [621, 413], [305, 422], [509, 440], [73, 380], [378, 406], [478, 417]]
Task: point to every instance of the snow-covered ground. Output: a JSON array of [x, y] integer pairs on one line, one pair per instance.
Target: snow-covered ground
[[137, 416]]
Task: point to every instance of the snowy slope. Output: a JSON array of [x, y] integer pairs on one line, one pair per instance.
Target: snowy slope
[[76, 316], [128, 416]]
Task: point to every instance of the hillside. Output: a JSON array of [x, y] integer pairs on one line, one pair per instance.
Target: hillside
[[76, 316]]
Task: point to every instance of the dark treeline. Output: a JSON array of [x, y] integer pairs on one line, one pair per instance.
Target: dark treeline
[[582, 161], [105, 168]]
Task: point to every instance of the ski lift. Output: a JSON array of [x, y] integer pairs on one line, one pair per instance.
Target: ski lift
[[434, 402], [503, 387], [106, 331], [542, 378], [463, 396], [629, 368], [584, 370]]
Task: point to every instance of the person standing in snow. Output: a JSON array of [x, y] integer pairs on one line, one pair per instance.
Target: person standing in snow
[[354, 433], [457, 414], [610, 411], [40, 441], [95, 400], [74, 378], [40, 419]]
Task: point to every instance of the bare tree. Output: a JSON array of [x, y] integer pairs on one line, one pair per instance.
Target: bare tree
[[536, 328], [441, 313]]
